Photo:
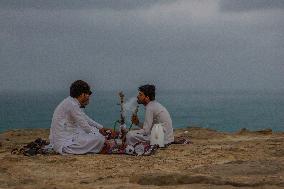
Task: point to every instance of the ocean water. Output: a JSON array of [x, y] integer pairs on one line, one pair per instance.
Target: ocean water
[[221, 110]]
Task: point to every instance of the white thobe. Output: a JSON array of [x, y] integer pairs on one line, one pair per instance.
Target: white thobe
[[154, 113], [72, 131]]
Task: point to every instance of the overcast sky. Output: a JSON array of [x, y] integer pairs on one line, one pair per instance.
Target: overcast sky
[[121, 44]]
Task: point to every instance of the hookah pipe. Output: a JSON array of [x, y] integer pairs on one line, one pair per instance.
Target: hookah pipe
[[122, 117], [123, 129], [121, 121]]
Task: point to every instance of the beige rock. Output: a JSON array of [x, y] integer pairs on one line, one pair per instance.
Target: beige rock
[[215, 160]]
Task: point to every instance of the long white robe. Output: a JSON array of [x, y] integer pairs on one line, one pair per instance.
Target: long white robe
[[154, 113], [72, 131]]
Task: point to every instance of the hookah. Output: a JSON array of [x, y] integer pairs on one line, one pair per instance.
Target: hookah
[[123, 129], [121, 121]]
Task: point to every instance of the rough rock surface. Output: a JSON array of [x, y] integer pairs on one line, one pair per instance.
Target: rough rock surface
[[244, 159]]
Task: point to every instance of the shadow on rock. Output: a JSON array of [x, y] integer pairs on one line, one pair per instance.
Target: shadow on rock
[[179, 179]]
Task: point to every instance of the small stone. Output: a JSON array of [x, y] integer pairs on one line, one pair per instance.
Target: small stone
[[265, 131]]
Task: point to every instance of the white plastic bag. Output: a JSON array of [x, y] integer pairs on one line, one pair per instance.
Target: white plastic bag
[[157, 135]]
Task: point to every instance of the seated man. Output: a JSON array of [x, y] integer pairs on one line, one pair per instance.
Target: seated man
[[154, 113], [72, 131]]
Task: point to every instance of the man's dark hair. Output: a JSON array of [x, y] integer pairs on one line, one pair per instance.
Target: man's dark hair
[[78, 87], [148, 90]]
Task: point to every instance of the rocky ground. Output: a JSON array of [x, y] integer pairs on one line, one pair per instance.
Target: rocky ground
[[215, 160]]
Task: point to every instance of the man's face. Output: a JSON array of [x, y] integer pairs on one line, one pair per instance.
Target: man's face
[[141, 98], [85, 99]]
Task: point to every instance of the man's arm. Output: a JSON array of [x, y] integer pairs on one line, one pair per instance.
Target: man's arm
[[79, 117], [135, 121], [148, 121], [92, 122]]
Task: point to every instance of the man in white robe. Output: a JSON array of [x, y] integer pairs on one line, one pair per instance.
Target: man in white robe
[[72, 131], [154, 113]]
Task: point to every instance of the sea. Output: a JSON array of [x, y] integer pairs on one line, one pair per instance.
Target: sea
[[222, 110]]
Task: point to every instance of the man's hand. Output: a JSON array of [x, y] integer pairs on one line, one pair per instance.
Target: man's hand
[[135, 120], [103, 131]]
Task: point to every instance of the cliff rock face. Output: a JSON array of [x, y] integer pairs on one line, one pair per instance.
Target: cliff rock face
[[244, 159]]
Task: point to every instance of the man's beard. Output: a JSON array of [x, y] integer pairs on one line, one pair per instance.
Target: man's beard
[[84, 104], [139, 102]]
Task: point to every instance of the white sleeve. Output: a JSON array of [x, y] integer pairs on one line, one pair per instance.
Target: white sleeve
[[148, 121], [79, 117], [92, 122]]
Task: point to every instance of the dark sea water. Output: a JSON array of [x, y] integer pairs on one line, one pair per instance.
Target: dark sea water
[[220, 110]]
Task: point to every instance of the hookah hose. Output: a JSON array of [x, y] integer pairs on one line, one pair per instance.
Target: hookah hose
[[115, 124], [130, 126]]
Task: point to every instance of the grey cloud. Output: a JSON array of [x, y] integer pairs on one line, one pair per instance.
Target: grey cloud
[[43, 49], [248, 5], [78, 4]]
